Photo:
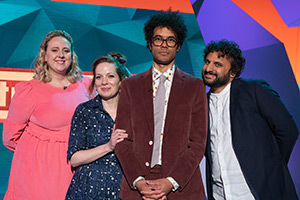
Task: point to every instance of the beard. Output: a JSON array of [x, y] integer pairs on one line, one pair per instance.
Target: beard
[[218, 81]]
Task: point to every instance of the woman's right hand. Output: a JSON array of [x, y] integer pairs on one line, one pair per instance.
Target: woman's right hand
[[117, 136]]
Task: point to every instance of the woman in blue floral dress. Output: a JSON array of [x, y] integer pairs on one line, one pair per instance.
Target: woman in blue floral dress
[[93, 138]]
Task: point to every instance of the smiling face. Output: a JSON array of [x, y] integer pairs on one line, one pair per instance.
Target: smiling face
[[216, 71], [163, 56], [58, 55], [107, 81]]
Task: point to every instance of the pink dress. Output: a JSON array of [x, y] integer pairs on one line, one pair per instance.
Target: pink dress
[[37, 129]]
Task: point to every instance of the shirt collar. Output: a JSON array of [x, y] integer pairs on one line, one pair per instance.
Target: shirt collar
[[223, 92], [169, 74]]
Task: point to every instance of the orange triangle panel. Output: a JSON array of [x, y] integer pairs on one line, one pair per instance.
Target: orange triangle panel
[[181, 5]]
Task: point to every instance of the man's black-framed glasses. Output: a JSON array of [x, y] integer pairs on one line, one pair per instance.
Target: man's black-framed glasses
[[158, 41]]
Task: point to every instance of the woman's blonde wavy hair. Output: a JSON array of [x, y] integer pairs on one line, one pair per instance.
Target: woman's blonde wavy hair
[[41, 69]]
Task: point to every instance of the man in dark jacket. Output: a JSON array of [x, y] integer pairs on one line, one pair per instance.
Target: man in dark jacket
[[251, 134]]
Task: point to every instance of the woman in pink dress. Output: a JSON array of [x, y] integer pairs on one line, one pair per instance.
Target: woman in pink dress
[[38, 122]]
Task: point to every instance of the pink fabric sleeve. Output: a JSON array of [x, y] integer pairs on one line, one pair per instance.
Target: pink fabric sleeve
[[19, 113]]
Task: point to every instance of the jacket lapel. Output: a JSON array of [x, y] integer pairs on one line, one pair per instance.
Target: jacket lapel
[[234, 99], [174, 98], [146, 89]]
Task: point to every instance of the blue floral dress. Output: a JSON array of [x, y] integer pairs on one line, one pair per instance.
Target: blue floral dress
[[92, 126]]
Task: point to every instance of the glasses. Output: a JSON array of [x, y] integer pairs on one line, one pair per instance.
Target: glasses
[[158, 41]]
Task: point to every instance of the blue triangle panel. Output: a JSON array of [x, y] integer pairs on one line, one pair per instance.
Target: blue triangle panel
[[12, 33], [271, 63], [222, 19], [289, 10], [10, 12], [110, 14]]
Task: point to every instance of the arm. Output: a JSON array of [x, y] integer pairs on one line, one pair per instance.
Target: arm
[[20, 110], [278, 118], [188, 162], [124, 149], [87, 156], [78, 154]]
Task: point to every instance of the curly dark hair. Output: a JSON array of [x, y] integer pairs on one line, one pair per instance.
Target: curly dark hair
[[170, 19], [231, 50]]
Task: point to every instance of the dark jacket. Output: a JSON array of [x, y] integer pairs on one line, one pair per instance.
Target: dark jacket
[[263, 137]]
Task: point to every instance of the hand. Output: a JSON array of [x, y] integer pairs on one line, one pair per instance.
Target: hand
[[117, 136], [145, 188], [159, 189]]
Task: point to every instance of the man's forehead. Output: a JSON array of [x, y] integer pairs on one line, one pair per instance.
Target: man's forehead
[[223, 55], [159, 29]]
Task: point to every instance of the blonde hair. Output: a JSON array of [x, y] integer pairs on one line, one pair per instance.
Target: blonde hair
[[41, 71]]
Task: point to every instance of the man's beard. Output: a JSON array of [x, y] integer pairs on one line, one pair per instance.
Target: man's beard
[[219, 81]]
